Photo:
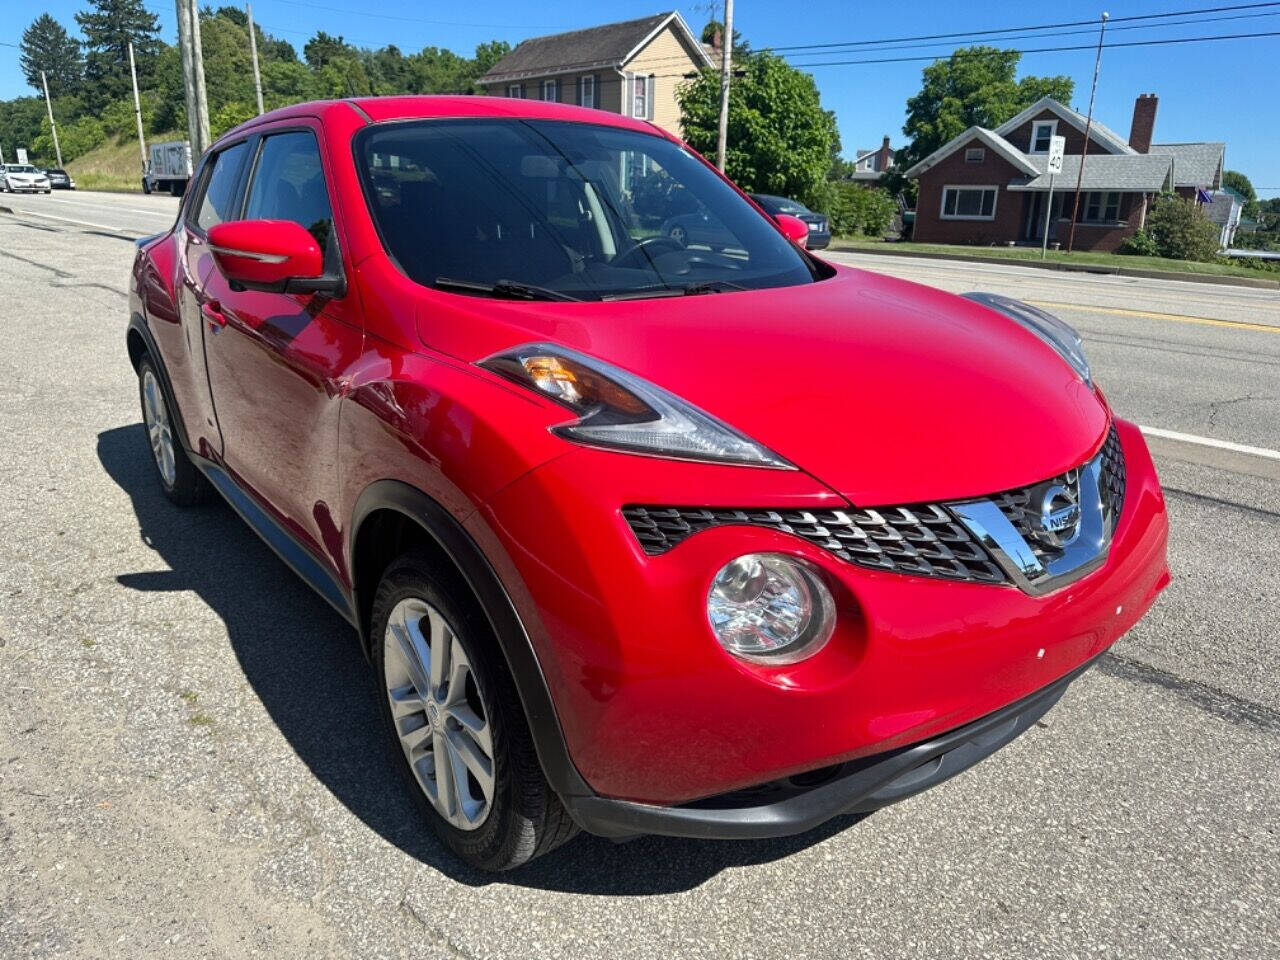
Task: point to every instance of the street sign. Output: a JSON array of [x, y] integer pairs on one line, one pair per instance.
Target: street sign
[[1057, 145], [22, 155]]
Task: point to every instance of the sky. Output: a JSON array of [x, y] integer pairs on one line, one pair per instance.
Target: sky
[[1223, 90]]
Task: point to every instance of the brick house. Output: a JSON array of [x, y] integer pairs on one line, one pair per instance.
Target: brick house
[[991, 186], [632, 68]]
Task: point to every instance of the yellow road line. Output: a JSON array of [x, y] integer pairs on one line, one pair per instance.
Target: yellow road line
[[1151, 315]]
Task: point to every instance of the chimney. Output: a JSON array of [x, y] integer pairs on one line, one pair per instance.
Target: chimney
[[885, 156], [1144, 122], [717, 38]]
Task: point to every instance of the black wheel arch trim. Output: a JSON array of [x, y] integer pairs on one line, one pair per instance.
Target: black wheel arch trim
[[138, 325], [508, 627]]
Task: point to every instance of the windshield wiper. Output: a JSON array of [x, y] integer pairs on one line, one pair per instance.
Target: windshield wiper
[[688, 290], [509, 289]]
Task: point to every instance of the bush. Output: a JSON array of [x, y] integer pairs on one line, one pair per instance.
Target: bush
[[75, 138], [231, 115], [852, 208], [1181, 231], [1141, 244]]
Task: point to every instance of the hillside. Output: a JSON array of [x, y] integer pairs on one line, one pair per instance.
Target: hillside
[[115, 165]]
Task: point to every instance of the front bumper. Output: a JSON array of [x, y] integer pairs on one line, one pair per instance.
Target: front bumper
[[655, 714], [795, 805]]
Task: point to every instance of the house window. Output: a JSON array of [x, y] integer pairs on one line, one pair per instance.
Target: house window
[[969, 203], [549, 91], [515, 90], [587, 91], [1101, 207], [1042, 134], [640, 96], [975, 155]]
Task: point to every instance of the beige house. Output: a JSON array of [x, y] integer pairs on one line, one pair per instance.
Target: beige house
[[632, 68]]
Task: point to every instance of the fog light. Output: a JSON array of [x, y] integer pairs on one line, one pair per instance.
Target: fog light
[[770, 608]]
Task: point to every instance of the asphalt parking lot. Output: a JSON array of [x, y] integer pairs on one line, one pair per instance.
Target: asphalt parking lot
[[190, 762]]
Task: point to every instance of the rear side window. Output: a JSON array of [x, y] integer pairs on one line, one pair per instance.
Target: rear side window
[[218, 202], [289, 185]]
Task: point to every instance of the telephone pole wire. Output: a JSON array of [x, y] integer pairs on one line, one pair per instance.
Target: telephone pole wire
[[253, 52], [726, 71], [137, 109], [48, 104], [1088, 125]]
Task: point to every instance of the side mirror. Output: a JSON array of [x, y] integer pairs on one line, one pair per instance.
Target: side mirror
[[277, 256], [793, 228]]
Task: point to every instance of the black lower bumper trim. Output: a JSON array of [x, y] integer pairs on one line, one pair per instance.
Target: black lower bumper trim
[[859, 786]]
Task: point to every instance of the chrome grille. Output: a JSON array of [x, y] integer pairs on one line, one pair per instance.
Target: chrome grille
[[930, 540], [924, 540]]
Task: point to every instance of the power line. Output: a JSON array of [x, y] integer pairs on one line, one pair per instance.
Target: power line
[[1022, 29], [1085, 46]]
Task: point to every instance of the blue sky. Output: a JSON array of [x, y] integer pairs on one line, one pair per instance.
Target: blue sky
[[1224, 90]]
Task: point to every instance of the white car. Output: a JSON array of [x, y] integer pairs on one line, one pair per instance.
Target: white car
[[23, 178]]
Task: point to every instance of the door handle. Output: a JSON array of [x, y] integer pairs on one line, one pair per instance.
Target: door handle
[[212, 311]]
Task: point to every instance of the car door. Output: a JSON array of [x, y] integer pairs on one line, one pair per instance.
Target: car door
[[216, 199], [277, 361]]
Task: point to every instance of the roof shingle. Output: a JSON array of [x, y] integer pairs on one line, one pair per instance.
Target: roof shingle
[[1131, 172], [604, 45], [1194, 164]]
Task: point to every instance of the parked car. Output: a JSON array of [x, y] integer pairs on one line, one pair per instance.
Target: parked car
[[637, 537], [700, 229], [59, 179], [819, 226], [23, 178]]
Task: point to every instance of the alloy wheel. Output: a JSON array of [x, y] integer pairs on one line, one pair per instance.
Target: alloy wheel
[[438, 713], [159, 431]]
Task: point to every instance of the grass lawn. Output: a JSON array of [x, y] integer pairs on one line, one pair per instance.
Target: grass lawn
[[1028, 253]]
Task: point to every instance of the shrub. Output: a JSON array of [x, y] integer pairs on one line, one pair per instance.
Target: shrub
[[75, 138], [1181, 231], [852, 208], [230, 115], [1140, 244]]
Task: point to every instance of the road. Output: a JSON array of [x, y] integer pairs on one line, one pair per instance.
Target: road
[[190, 763]]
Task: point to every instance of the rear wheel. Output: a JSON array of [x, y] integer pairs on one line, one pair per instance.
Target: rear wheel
[[181, 481], [461, 738], [146, 185]]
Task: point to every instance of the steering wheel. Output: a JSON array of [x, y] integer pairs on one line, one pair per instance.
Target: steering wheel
[[649, 246]]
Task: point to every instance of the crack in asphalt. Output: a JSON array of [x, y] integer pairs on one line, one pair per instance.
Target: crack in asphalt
[[1217, 406], [1220, 502], [1226, 706]]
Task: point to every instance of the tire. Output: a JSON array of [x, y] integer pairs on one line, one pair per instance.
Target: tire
[[146, 186], [522, 817], [179, 479]]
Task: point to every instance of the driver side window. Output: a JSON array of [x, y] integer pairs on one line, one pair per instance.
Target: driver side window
[[289, 184]]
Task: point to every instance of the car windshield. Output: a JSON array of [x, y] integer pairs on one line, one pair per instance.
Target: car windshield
[[558, 210], [19, 168]]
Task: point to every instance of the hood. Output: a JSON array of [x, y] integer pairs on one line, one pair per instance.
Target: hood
[[886, 391]]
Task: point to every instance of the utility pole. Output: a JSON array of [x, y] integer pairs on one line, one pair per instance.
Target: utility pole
[[726, 71], [48, 104], [137, 109], [253, 52], [1088, 125], [193, 77]]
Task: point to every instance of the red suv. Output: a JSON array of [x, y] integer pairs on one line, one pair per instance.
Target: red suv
[[640, 535]]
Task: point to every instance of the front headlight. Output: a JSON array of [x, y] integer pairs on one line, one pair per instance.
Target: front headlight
[[621, 411], [1055, 332]]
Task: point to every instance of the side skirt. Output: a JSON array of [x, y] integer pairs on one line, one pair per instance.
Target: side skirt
[[297, 557]]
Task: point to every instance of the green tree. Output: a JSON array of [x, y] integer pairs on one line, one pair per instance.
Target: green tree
[[741, 49], [108, 27], [1241, 184], [47, 46], [487, 54], [1180, 229], [779, 136], [20, 120], [324, 48], [75, 138], [975, 86]]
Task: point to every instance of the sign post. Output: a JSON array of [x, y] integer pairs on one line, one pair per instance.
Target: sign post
[[1057, 146]]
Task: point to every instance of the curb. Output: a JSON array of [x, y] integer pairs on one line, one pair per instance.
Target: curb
[[1260, 283]]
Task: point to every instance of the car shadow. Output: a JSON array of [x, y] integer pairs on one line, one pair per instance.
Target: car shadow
[[304, 663]]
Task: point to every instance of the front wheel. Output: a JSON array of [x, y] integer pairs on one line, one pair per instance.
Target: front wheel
[[455, 717]]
